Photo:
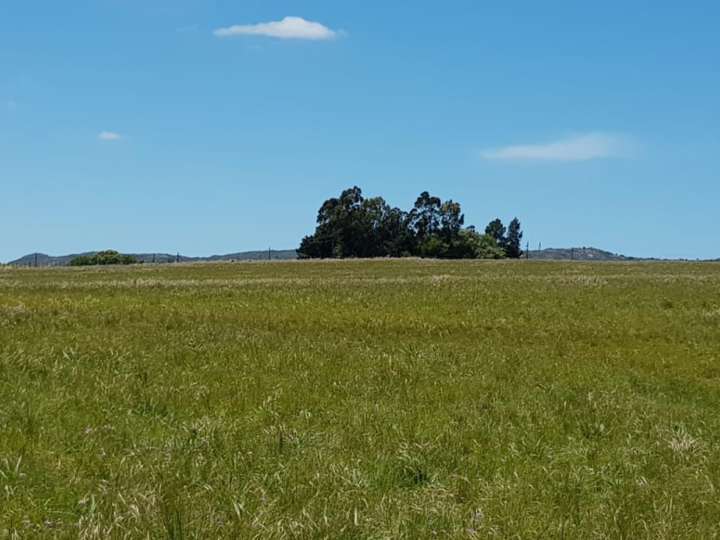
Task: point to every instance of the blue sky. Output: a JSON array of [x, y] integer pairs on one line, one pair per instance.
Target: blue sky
[[212, 126]]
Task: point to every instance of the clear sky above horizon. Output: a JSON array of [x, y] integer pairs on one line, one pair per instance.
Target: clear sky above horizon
[[215, 126]]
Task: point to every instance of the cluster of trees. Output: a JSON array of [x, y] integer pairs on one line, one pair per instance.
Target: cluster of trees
[[353, 226], [103, 258]]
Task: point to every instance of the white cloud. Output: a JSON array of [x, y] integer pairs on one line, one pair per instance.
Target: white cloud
[[109, 136], [577, 148], [288, 28]]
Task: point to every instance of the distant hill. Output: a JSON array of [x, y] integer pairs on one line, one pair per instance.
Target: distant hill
[[41, 259], [578, 254]]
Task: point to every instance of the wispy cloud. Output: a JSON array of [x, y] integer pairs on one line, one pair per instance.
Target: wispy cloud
[[109, 136], [288, 28], [576, 148]]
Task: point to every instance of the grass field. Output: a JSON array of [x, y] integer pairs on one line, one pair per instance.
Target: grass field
[[361, 399]]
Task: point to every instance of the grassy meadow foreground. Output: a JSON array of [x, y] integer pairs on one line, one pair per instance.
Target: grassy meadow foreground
[[361, 399]]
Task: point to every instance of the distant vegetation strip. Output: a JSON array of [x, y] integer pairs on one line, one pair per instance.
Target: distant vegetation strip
[[103, 258], [44, 260], [549, 254]]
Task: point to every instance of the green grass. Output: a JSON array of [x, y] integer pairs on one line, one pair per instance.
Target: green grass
[[383, 399]]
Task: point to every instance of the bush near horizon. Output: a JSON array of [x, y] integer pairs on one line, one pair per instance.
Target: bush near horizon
[[104, 258]]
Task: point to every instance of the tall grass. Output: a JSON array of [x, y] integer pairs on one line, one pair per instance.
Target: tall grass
[[361, 399]]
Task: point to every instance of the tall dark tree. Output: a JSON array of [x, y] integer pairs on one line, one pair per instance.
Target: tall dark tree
[[395, 234], [514, 240], [352, 226], [332, 219], [496, 230], [436, 226], [426, 216], [451, 220]]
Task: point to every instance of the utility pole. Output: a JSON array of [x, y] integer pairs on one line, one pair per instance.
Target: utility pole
[[36, 260], [269, 254], [527, 250]]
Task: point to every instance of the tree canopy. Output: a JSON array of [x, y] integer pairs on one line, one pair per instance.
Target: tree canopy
[[103, 258], [353, 226]]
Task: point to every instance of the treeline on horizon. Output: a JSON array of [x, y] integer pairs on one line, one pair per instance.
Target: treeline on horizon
[[104, 258], [353, 226]]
